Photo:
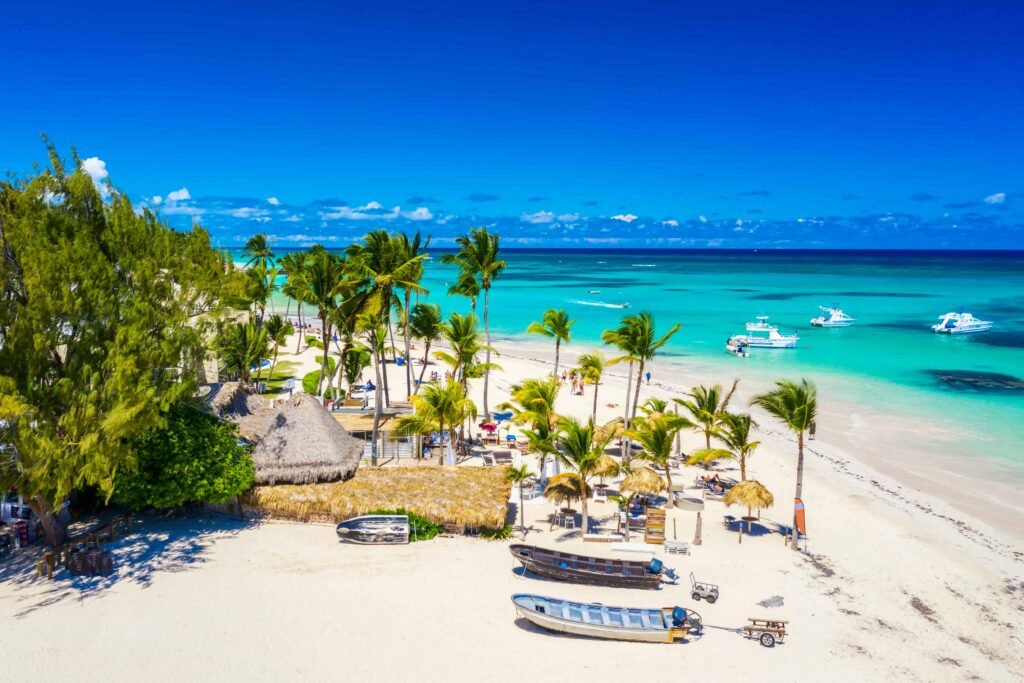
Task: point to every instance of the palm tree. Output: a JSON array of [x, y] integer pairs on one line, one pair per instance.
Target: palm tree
[[736, 438], [463, 338], [354, 360], [708, 409], [582, 451], [533, 404], [293, 264], [795, 406], [656, 434], [259, 252], [466, 285], [592, 367], [241, 347], [478, 257], [319, 286], [565, 487], [426, 325], [519, 476], [622, 339], [261, 286], [439, 406], [277, 329], [555, 324], [412, 250]]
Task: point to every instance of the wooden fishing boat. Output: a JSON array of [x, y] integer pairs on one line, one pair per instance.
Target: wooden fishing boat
[[594, 620], [375, 530], [593, 571]]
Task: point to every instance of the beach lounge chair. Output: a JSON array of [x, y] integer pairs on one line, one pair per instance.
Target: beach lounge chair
[[488, 459], [502, 457]]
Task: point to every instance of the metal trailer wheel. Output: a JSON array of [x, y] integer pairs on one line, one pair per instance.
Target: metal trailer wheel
[[711, 599], [696, 596], [767, 639]]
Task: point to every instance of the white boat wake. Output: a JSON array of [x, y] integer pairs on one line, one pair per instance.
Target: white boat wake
[[600, 304]]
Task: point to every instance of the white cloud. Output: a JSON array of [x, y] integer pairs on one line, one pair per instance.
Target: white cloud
[[625, 218], [182, 209], [538, 217], [997, 198], [309, 240], [262, 219], [739, 222], [360, 213], [702, 218], [568, 217], [671, 222], [273, 201], [181, 195], [370, 206], [292, 219], [248, 212], [156, 199], [96, 168], [420, 214]]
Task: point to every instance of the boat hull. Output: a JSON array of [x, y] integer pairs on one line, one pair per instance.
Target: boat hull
[[576, 569], [532, 609], [972, 330], [375, 530]]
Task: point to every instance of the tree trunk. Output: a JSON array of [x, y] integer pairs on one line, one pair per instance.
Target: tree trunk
[[742, 522], [302, 333], [423, 370], [594, 416], [323, 363], [522, 511], [487, 335], [558, 345], [377, 407], [53, 528], [384, 365], [636, 396], [696, 534], [408, 344], [670, 503], [625, 417], [743, 467], [440, 435], [583, 507], [799, 485], [679, 445]]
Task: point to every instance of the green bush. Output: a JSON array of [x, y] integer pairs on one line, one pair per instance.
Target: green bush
[[314, 342], [499, 534], [195, 458], [310, 381], [420, 528], [331, 363]]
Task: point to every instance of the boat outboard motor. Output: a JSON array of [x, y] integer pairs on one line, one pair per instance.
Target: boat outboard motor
[[678, 617], [658, 567]]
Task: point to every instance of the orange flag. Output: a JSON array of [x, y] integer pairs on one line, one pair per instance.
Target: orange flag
[[801, 521]]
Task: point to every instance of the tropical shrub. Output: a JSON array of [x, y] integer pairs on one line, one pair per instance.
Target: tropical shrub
[[420, 528]]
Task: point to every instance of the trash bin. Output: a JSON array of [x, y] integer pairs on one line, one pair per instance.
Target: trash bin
[[399, 361]]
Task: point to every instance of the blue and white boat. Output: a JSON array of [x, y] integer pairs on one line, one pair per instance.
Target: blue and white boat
[[960, 323], [594, 620], [832, 317], [762, 334]]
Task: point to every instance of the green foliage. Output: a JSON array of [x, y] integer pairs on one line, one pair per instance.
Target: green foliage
[[498, 534], [355, 361], [314, 341], [331, 363], [310, 382], [242, 347], [420, 528], [102, 316], [195, 458]]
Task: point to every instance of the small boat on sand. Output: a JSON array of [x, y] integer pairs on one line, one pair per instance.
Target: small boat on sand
[[375, 530], [594, 620], [593, 571]]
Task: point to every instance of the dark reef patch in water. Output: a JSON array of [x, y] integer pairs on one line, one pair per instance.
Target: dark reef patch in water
[[976, 381], [886, 295], [1008, 339], [779, 296], [741, 290], [903, 325]]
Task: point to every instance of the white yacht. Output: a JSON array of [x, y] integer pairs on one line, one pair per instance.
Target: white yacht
[[737, 346], [762, 334], [832, 317], [960, 323]]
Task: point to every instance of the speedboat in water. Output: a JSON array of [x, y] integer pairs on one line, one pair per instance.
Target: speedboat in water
[[832, 317], [737, 346], [960, 323], [762, 334]]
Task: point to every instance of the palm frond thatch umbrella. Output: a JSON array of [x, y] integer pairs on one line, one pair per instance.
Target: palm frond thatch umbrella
[[752, 494], [643, 480], [565, 487], [607, 466]]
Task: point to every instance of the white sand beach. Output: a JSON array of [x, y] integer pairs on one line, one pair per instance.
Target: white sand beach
[[896, 584]]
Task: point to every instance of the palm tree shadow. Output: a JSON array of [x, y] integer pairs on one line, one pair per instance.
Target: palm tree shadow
[[754, 528], [154, 546]]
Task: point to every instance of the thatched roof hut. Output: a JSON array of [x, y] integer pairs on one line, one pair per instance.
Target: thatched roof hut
[[304, 444]]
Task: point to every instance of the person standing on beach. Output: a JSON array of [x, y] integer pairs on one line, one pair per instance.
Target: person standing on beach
[[812, 429], [648, 377]]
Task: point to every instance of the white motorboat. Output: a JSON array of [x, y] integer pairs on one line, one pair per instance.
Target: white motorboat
[[960, 323], [737, 346], [832, 317], [763, 334]]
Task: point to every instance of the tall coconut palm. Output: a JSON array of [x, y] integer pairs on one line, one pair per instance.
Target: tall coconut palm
[[426, 325], [258, 249], [241, 347], [622, 339], [413, 250], [554, 324], [261, 286], [463, 338], [656, 434], [478, 256], [736, 438], [354, 360], [440, 406], [319, 285], [708, 408], [293, 264], [795, 406], [277, 329], [592, 368], [581, 450], [533, 407], [468, 286], [520, 476]]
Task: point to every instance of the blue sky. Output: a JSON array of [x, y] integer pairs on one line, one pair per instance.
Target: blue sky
[[889, 124]]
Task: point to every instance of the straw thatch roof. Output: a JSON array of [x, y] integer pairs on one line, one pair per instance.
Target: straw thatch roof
[[565, 487], [643, 480], [750, 494], [303, 445], [473, 497]]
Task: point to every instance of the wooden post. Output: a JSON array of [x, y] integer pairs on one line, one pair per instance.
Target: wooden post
[[674, 537], [696, 536]]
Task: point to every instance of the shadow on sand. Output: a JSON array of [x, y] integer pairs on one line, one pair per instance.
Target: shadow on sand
[[155, 545]]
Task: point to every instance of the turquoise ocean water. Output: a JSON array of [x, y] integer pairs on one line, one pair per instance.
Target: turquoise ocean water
[[889, 359]]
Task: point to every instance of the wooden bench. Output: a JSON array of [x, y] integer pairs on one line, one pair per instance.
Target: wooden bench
[[677, 547], [603, 538]]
